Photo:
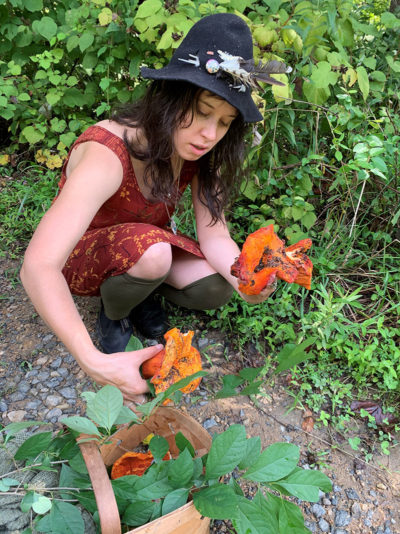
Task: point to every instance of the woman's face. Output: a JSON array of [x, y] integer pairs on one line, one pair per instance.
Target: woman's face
[[211, 120]]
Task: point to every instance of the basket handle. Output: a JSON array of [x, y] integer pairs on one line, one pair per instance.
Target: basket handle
[[105, 499]]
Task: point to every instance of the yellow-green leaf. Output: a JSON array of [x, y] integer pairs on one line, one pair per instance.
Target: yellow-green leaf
[[363, 81], [105, 16]]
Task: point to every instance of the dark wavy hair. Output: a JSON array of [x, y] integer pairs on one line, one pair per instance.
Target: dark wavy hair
[[158, 113]]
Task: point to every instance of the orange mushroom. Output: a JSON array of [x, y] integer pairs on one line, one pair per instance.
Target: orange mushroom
[[133, 463], [265, 258], [176, 361]]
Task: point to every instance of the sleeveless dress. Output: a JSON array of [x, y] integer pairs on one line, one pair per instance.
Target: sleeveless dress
[[125, 226]]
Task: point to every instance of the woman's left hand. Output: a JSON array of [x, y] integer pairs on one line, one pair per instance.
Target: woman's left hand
[[263, 295]]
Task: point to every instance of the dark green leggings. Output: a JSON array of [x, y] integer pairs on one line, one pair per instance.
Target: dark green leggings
[[120, 294]]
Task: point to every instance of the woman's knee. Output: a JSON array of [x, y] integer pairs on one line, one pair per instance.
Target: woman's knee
[[154, 263], [207, 293]]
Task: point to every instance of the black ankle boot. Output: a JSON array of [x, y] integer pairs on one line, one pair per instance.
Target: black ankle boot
[[113, 334], [149, 318]]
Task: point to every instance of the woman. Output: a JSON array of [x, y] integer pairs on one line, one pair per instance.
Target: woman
[[106, 233]]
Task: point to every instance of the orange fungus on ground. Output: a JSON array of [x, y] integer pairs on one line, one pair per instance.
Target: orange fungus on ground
[[265, 258], [133, 463], [176, 361]]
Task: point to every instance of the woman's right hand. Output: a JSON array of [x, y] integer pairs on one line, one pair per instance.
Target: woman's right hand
[[122, 369]]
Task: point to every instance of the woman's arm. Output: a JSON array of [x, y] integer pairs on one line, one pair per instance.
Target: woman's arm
[[218, 247], [95, 178]]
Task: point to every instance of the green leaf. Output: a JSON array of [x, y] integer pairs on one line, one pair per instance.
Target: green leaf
[[217, 502], [252, 389], [370, 62], [32, 135], [71, 479], [226, 451], [105, 407], [292, 354], [138, 513], [183, 443], [181, 470], [34, 446], [33, 5], [363, 81], [13, 428], [126, 415], [86, 40], [390, 20], [81, 425], [230, 383], [253, 450], [134, 343], [345, 32], [250, 373], [290, 517], [274, 463], [394, 65], [323, 76], [304, 484], [41, 504], [159, 447], [154, 483], [147, 8], [72, 42], [73, 97], [6, 483], [250, 518], [314, 94], [64, 518], [308, 219], [45, 27], [175, 500]]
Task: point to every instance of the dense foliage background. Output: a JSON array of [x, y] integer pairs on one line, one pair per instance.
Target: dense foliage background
[[326, 164]]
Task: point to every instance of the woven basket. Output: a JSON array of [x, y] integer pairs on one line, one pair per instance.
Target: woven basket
[[166, 422]]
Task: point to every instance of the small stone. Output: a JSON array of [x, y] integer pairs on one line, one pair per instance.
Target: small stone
[[323, 525], [62, 371], [372, 493], [29, 374], [336, 488], [53, 400], [342, 518], [42, 360], [202, 403], [55, 412], [381, 486], [24, 386], [355, 510], [208, 423], [47, 338], [16, 416], [56, 364], [339, 531], [33, 405], [43, 375], [3, 406], [68, 393], [310, 525], [202, 343], [17, 396], [318, 510], [352, 494], [326, 502]]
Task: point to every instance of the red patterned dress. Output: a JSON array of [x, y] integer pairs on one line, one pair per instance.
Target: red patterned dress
[[125, 226]]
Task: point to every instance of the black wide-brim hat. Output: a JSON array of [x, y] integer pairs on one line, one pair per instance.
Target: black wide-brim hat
[[198, 60]]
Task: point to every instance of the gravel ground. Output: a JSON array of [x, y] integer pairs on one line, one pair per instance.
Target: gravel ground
[[40, 380]]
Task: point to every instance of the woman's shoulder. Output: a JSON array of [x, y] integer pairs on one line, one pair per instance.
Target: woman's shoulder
[[117, 129]]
